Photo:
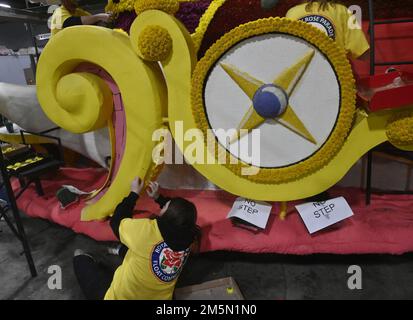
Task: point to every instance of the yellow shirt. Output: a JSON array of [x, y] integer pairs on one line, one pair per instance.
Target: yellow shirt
[[150, 268], [337, 22], [60, 15]]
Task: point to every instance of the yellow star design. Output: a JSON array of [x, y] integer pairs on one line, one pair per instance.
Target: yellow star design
[[288, 81]]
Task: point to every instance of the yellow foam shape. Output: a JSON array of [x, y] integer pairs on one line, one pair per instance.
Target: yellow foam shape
[[177, 69], [290, 120], [283, 210], [249, 85], [251, 120], [290, 77], [112, 140], [85, 100], [245, 81], [138, 82]]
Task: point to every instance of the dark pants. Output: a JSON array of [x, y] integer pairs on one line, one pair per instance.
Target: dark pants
[[123, 250], [94, 278]]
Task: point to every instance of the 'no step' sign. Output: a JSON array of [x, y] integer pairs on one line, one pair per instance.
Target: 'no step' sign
[[320, 215]]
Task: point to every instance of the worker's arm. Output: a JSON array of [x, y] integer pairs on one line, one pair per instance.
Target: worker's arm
[[104, 17], [72, 21], [124, 209], [85, 20], [162, 201], [153, 192]]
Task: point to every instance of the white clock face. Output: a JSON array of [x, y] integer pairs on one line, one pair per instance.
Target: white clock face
[[309, 108]]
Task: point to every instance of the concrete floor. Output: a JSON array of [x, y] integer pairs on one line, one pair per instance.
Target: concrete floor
[[272, 277]]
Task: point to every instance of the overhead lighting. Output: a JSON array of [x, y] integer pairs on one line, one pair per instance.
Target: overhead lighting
[[5, 5]]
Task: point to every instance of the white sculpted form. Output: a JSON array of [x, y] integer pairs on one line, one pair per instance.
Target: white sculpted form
[[19, 104]]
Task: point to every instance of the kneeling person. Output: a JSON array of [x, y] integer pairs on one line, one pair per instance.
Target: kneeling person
[[156, 249]]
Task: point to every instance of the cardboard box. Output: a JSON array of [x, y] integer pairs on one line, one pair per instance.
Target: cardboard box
[[221, 289]]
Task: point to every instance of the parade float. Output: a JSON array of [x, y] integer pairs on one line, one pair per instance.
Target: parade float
[[162, 70]]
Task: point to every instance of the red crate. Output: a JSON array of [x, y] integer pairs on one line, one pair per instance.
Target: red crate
[[386, 91]]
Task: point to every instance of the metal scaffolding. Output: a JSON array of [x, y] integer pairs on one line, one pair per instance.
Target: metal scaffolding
[[20, 15]]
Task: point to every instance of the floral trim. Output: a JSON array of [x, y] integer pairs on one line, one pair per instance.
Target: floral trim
[[123, 5], [337, 57], [206, 19], [168, 6], [400, 129], [154, 43]]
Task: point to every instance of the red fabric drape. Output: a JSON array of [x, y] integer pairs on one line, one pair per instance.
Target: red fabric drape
[[384, 227]]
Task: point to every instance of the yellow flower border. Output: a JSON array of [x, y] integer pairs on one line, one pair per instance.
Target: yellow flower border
[[168, 6], [123, 5], [204, 23], [338, 59]]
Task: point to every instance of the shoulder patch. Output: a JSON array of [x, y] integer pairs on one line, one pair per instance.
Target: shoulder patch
[[167, 264]]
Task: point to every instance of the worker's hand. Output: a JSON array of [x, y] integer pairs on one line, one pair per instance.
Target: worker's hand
[[137, 185], [153, 190], [104, 17]]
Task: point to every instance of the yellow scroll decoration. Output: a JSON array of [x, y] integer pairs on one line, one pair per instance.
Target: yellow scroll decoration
[[81, 102]]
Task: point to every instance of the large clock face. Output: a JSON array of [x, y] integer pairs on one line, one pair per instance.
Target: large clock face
[[280, 85], [286, 80]]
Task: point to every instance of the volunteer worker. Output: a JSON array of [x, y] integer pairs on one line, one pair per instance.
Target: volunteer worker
[[337, 22], [71, 14]]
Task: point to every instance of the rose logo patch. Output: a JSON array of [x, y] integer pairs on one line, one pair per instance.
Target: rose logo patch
[[167, 264]]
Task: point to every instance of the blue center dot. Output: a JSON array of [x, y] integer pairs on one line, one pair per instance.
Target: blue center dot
[[270, 101]]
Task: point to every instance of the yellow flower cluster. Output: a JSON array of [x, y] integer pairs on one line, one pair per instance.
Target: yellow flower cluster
[[400, 129], [168, 6], [204, 22], [154, 43], [338, 60], [123, 5]]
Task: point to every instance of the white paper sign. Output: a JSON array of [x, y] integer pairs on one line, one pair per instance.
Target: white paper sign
[[254, 212], [320, 215], [75, 190]]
